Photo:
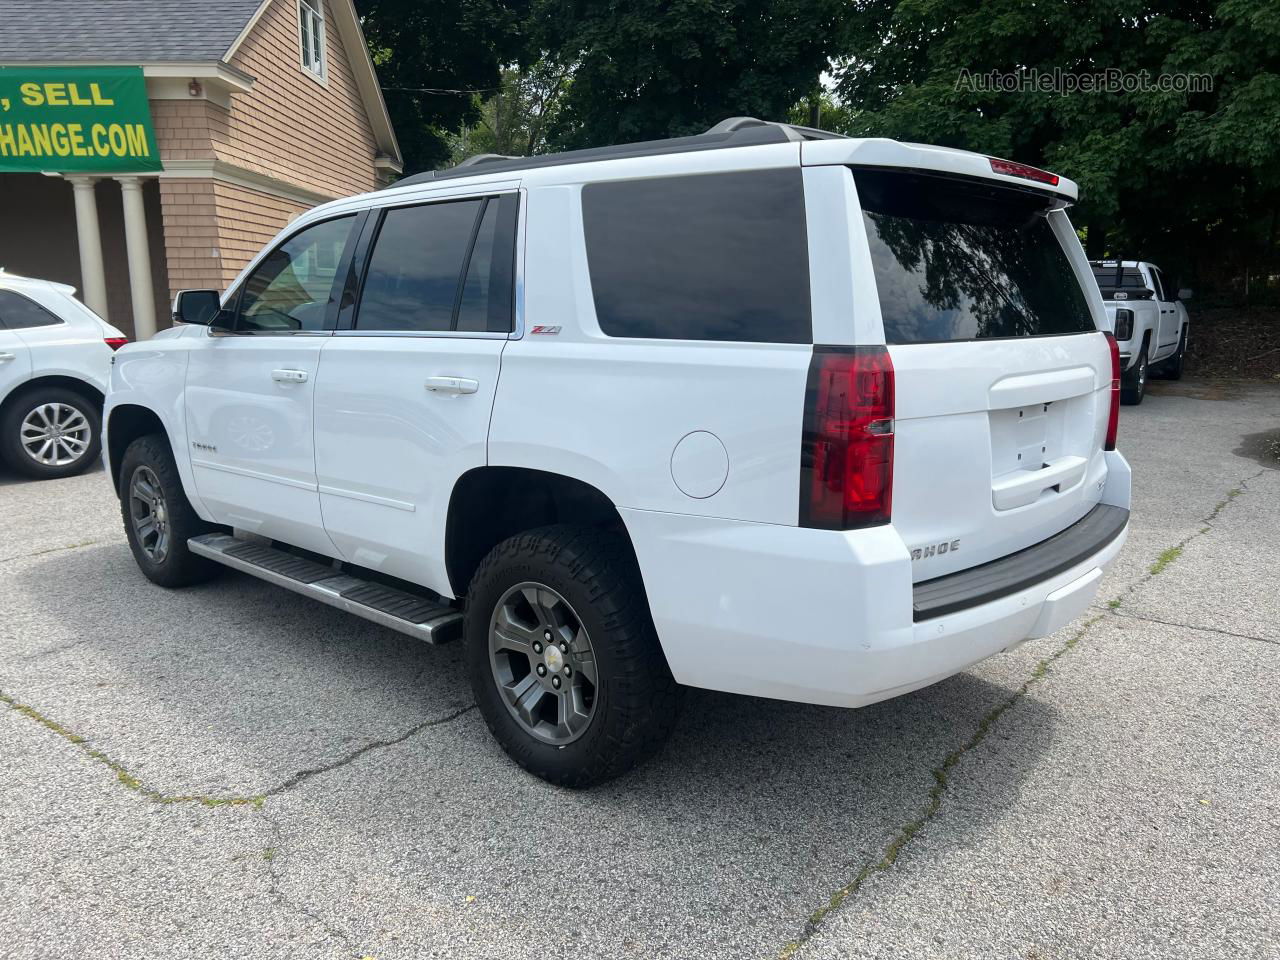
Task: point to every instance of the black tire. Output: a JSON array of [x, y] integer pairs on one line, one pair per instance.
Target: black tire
[[33, 403], [635, 699], [1133, 384], [177, 566]]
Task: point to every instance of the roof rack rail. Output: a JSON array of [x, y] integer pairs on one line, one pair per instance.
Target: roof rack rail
[[486, 158], [733, 132], [734, 124]]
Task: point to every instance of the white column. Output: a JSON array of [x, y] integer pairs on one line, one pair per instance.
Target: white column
[[93, 279], [139, 252]]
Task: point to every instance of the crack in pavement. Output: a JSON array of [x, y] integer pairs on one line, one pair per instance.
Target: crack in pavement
[[1192, 626], [907, 833], [69, 546], [256, 800], [303, 775], [275, 877]]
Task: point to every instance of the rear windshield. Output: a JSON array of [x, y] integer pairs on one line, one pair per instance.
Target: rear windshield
[[1112, 278], [956, 260]]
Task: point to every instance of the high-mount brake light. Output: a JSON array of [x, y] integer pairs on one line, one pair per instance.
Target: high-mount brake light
[[846, 453], [1011, 169], [115, 343], [1113, 416]]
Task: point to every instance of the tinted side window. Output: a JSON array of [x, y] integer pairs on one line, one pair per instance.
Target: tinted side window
[[715, 257], [19, 313], [485, 303], [290, 290], [1157, 278], [411, 283]]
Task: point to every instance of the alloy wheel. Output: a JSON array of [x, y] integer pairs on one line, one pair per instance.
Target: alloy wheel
[[543, 663], [149, 514], [55, 434]]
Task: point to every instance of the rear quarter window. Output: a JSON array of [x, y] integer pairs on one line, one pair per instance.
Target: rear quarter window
[[712, 257], [958, 260], [19, 313]]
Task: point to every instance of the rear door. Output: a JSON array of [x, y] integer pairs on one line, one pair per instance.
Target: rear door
[[1167, 336], [1002, 377], [406, 384], [16, 313]]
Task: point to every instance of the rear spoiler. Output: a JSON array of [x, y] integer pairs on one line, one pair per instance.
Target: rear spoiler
[[881, 152]]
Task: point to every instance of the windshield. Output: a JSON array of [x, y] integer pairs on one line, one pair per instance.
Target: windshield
[[957, 260]]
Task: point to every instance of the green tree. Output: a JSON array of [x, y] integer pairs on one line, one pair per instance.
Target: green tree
[[1187, 178], [431, 56], [515, 120], [657, 68]]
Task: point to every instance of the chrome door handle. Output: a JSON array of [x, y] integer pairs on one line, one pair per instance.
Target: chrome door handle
[[456, 385], [6, 357], [289, 376]]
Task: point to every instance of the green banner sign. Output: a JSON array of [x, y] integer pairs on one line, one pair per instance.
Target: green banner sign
[[76, 120]]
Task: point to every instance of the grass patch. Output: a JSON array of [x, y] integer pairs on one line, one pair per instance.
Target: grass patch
[[1166, 557], [1113, 604], [123, 776]]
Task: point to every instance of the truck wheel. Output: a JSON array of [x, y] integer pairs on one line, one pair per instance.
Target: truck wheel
[[564, 661], [50, 432], [1133, 385], [158, 518]]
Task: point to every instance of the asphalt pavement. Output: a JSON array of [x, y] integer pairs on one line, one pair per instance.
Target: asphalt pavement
[[232, 770]]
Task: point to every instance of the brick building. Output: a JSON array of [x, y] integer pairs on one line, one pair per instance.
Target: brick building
[[257, 110]]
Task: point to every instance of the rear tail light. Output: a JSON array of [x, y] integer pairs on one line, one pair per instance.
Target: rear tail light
[[1124, 324], [1011, 169], [846, 454], [1113, 416], [115, 343]]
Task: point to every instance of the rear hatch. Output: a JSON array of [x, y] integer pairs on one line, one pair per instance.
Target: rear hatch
[[1002, 378]]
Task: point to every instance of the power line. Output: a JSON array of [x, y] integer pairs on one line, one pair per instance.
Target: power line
[[440, 90]]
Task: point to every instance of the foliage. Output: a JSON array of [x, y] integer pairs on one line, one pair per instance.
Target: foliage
[[1191, 180], [514, 121], [442, 45], [657, 68]]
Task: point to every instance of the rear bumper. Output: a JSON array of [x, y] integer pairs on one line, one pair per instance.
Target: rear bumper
[[830, 617]]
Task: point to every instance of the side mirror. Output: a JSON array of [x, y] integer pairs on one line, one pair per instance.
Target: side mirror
[[1184, 293], [196, 306]]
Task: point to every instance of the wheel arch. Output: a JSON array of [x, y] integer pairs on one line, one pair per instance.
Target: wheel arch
[[127, 422], [82, 387], [491, 503]]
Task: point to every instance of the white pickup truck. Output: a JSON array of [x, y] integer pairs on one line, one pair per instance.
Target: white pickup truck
[[763, 410], [1149, 321]]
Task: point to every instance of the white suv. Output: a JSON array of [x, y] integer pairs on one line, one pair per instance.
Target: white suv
[[55, 360], [763, 410]]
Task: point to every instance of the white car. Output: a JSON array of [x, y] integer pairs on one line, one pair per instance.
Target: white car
[[1149, 320], [55, 362], [763, 410]]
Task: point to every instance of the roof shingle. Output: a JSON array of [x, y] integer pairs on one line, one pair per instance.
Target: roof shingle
[[120, 31]]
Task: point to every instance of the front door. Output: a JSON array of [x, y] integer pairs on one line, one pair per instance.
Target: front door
[[250, 391], [405, 391]]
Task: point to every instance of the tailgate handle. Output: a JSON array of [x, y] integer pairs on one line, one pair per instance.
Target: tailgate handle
[[1021, 487], [1028, 389]]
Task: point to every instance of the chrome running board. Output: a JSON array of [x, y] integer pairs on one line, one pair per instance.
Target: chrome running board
[[426, 619]]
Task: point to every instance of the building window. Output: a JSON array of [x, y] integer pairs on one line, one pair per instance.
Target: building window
[[311, 36]]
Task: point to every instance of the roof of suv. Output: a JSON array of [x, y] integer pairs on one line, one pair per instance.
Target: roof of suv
[[17, 280], [734, 132]]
